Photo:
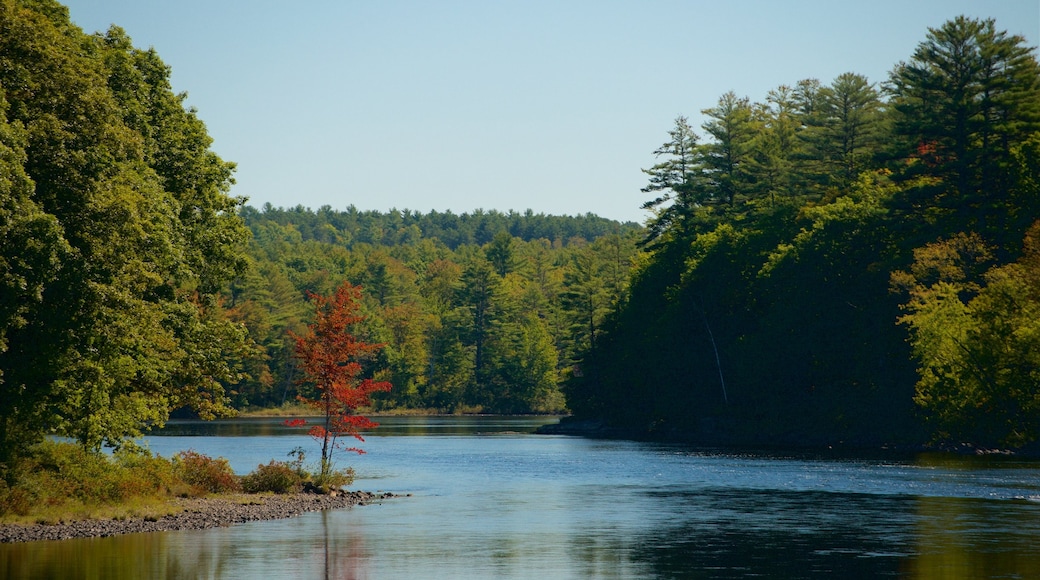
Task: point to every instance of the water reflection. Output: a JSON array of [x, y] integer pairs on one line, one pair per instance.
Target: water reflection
[[119, 557], [969, 538], [388, 426], [491, 501], [341, 556], [739, 533]]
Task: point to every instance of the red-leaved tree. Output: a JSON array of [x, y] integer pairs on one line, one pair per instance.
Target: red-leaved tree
[[330, 358]]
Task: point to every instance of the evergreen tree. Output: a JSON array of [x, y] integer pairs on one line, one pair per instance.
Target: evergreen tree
[[843, 133], [673, 180], [775, 147], [726, 157], [967, 96]]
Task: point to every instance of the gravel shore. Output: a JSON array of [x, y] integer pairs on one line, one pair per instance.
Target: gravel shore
[[195, 514]]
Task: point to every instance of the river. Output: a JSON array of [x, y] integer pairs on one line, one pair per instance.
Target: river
[[489, 499]]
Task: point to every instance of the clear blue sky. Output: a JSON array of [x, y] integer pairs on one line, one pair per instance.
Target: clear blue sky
[[551, 105]]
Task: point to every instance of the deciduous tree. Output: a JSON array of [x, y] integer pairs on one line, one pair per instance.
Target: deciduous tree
[[331, 358], [976, 337]]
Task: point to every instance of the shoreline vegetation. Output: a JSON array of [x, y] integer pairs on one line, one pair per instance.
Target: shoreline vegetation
[[61, 490], [193, 513], [300, 410]]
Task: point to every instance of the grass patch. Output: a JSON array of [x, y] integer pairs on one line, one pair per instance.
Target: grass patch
[[288, 409], [152, 508]]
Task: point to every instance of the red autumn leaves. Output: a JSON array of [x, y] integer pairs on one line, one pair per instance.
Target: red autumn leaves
[[330, 357]]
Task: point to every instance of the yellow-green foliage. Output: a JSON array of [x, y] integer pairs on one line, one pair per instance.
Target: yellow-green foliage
[[976, 338], [64, 474], [60, 481], [205, 473], [276, 476]]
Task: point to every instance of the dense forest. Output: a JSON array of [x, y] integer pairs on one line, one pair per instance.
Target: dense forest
[[850, 262], [481, 312], [847, 262]]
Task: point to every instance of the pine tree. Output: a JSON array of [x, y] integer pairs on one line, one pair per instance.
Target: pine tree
[[672, 180], [725, 159], [967, 96]]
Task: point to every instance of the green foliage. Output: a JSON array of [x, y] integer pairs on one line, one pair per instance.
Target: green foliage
[[766, 316], [673, 180], [467, 327], [58, 481], [152, 474], [843, 131], [118, 234], [727, 156], [55, 474], [333, 479], [275, 477], [761, 311], [966, 98], [14, 500], [976, 337]]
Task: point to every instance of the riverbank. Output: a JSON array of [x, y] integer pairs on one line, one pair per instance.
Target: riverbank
[[194, 514]]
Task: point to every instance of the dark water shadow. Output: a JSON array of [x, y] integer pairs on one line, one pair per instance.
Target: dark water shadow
[[725, 533]]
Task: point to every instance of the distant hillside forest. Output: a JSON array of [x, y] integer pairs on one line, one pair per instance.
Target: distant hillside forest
[[846, 262], [849, 262], [480, 312]]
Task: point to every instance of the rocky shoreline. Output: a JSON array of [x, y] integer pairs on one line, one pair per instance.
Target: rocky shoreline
[[194, 514]]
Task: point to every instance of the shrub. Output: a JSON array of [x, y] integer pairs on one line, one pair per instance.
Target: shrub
[[144, 473], [205, 473], [65, 471], [342, 477], [14, 500], [335, 479], [276, 476]]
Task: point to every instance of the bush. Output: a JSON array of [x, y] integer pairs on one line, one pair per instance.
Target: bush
[[145, 474], [14, 500], [205, 473], [58, 474], [276, 476], [336, 479], [66, 471]]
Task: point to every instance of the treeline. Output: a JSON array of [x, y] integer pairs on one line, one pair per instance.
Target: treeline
[[844, 262], [402, 227], [489, 320]]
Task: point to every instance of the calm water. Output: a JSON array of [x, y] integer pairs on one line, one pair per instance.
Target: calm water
[[490, 500]]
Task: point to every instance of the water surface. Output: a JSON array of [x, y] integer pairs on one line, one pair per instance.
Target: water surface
[[491, 500]]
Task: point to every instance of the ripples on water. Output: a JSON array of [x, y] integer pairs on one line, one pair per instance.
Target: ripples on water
[[492, 501]]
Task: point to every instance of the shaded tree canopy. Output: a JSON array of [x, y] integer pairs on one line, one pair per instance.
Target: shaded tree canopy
[[846, 243]]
